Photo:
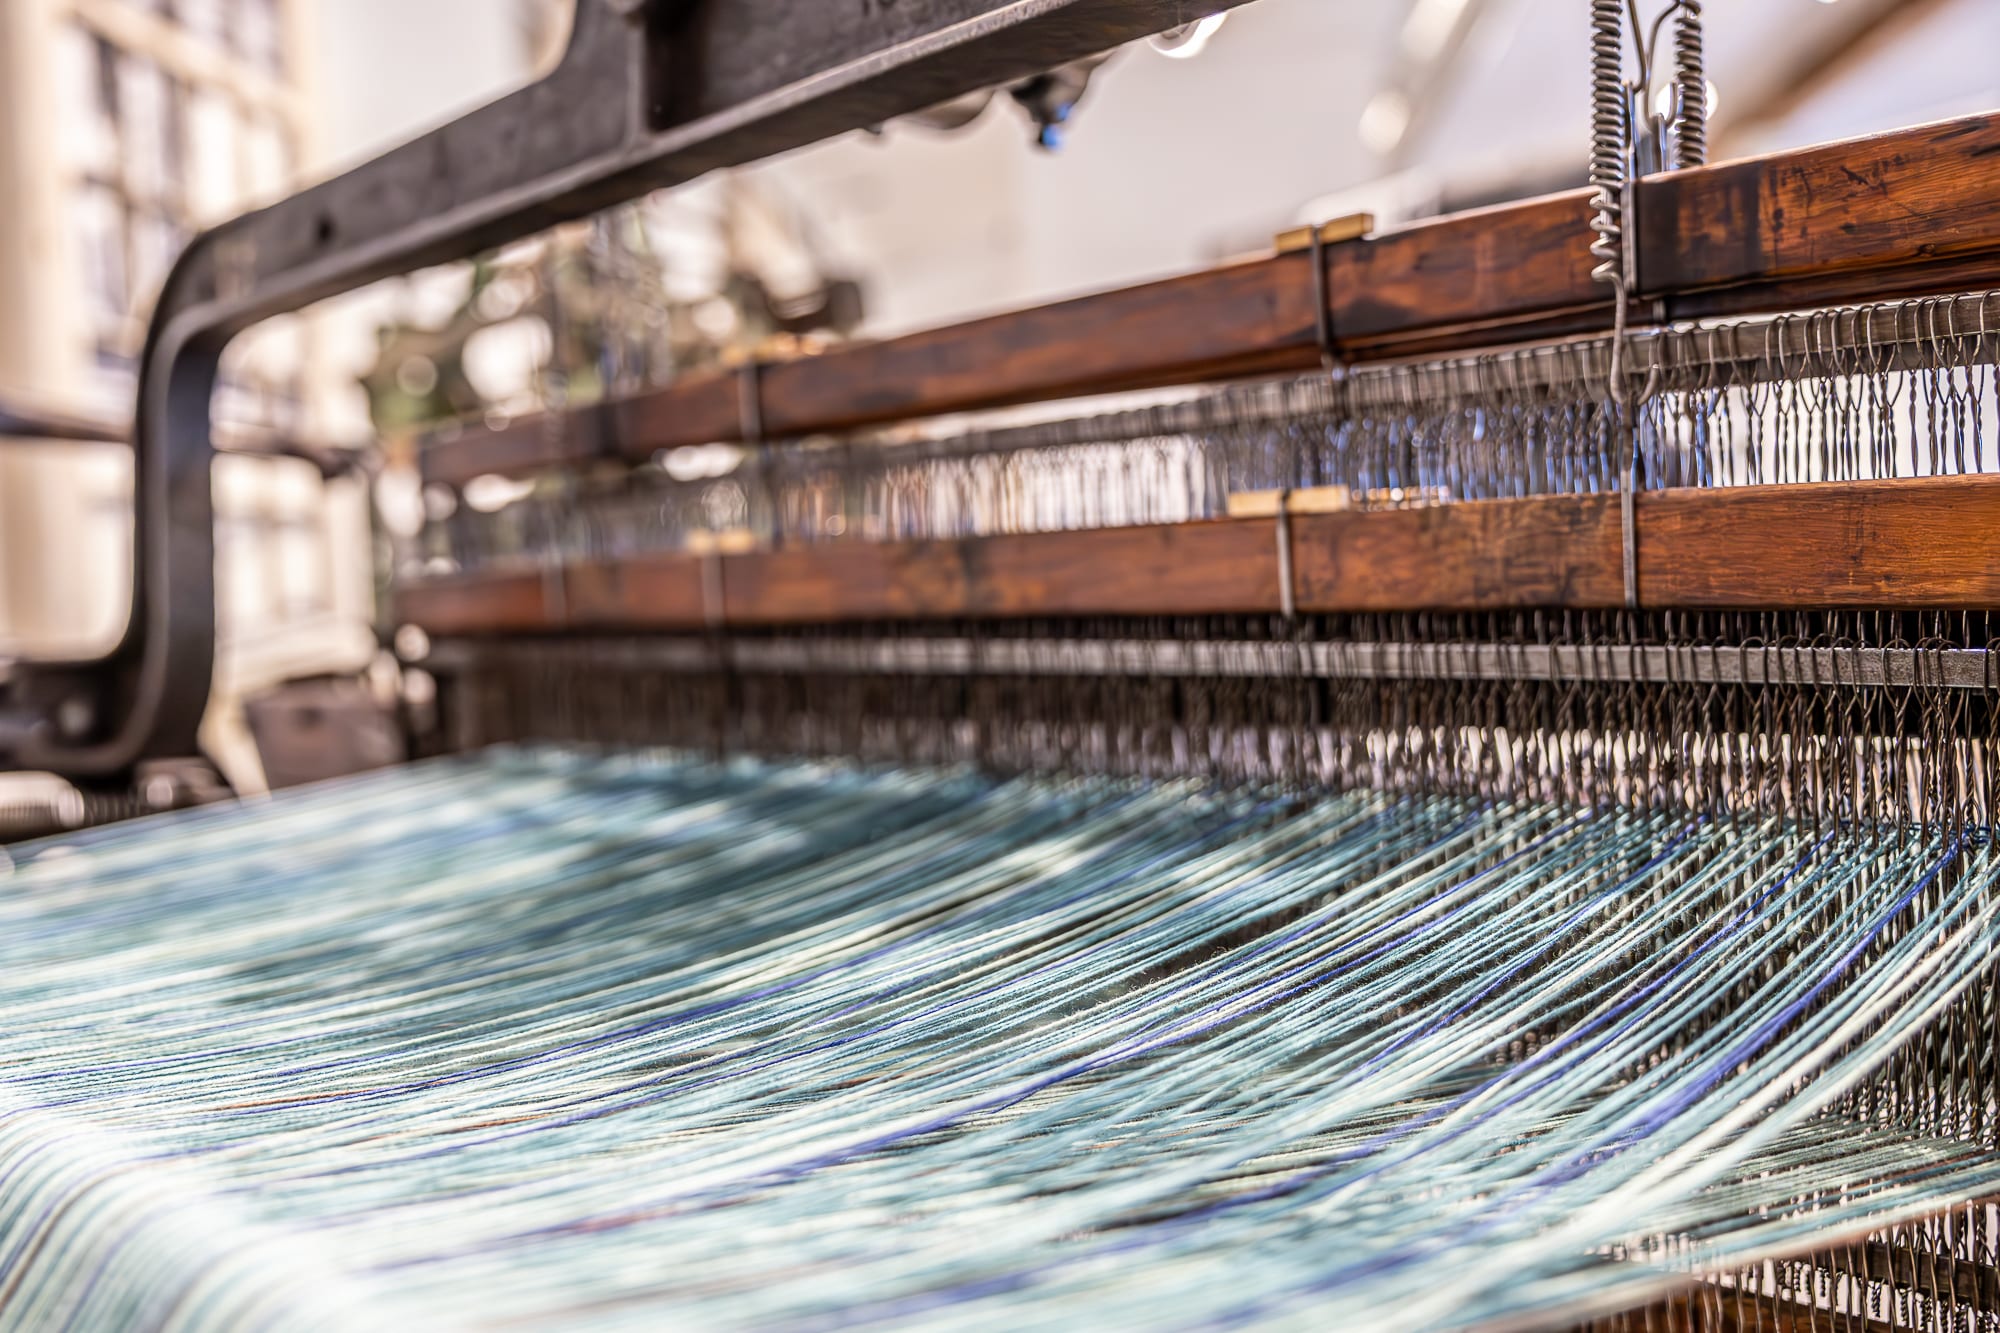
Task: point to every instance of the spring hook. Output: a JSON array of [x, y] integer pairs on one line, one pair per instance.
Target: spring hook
[[1691, 78], [1609, 136]]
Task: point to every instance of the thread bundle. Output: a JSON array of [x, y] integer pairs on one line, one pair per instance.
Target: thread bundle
[[563, 1040]]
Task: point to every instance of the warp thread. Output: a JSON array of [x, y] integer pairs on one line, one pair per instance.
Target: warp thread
[[569, 1040]]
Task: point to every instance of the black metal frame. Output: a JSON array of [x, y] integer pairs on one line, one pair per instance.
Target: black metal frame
[[649, 93]]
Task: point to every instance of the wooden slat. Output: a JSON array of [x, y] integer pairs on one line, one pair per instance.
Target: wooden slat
[[1247, 312], [635, 593], [1932, 543], [1477, 271], [853, 581], [1188, 569], [1913, 197], [1896, 544], [486, 603], [1482, 556], [1907, 213]]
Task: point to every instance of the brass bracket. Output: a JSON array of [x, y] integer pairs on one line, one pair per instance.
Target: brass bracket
[[1350, 228]]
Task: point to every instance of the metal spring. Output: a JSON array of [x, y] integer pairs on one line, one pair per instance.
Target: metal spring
[[1607, 138], [21, 821], [1690, 73]]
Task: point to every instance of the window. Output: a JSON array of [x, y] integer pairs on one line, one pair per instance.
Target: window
[[184, 121]]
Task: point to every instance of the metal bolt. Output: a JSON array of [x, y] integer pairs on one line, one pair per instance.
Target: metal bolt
[[75, 717]]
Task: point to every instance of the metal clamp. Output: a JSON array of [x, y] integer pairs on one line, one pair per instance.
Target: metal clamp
[[1288, 598], [1628, 515], [1316, 239], [750, 403], [714, 593], [1323, 307], [555, 593]]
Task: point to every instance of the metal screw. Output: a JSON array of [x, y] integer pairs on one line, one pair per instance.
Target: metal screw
[[75, 717]]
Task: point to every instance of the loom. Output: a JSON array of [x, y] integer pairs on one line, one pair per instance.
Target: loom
[[1473, 810]]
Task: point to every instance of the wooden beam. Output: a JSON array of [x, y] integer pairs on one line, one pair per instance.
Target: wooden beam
[[488, 603], [1884, 544], [1564, 550], [1908, 213], [1863, 207], [1209, 568], [1888, 544]]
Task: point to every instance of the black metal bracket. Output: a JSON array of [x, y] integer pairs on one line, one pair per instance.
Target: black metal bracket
[[649, 93]]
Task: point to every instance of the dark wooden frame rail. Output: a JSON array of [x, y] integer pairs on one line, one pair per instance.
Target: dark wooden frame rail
[[1932, 542], [1913, 212]]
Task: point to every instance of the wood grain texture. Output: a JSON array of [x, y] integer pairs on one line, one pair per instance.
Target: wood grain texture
[[1480, 556], [850, 581], [1915, 196], [1890, 545], [1478, 271], [1931, 543], [1224, 319], [476, 604], [638, 592], [1206, 568], [1186, 569]]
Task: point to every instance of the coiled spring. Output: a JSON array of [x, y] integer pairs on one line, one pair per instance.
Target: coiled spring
[[1690, 65], [1607, 139]]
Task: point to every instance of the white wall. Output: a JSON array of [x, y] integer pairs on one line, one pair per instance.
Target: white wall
[[1943, 65], [389, 69]]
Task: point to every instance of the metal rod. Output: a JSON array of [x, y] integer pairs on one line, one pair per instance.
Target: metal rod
[[1951, 668]]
